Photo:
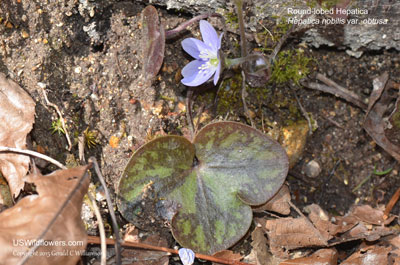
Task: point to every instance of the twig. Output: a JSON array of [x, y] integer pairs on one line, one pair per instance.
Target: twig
[[337, 90], [96, 210], [53, 220], [32, 153], [305, 114], [391, 203], [111, 209], [60, 117], [95, 240], [173, 32]]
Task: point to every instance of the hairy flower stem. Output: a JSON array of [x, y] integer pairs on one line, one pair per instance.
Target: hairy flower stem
[[243, 46], [243, 51], [229, 63]]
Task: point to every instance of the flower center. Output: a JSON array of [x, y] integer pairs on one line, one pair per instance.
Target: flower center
[[210, 58]]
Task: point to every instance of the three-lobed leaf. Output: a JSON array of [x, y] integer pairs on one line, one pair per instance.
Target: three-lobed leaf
[[204, 188]]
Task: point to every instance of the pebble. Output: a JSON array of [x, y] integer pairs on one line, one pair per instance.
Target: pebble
[[312, 169]]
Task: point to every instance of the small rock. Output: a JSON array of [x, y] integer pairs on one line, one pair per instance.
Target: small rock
[[312, 169]]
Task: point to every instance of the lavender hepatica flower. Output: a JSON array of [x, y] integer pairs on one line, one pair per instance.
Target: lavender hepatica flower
[[206, 53]]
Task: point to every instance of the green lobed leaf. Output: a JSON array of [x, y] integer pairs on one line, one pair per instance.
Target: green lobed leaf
[[204, 188]]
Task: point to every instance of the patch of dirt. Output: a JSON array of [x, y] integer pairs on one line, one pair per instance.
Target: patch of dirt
[[87, 56]]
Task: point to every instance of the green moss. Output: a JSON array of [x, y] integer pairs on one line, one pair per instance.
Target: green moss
[[56, 127], [232, 19], [290, 66], [229, 95]]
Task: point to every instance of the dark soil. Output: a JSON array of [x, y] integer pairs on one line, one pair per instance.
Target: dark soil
[[88, 56]]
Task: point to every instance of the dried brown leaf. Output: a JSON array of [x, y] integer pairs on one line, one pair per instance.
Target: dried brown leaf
[[370, 215], [321, 221], [371, 255], [147, 257], [278, 203], [361, 231], [26, 221], [260, 249], [17, 110], [289, 233], [320, 257], [227, 255], [374, 123]]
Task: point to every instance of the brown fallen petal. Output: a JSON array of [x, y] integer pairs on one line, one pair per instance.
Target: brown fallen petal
[[373, 255], [278, 203], [17, 110], [66, 239], [320, 257], [289, 233]]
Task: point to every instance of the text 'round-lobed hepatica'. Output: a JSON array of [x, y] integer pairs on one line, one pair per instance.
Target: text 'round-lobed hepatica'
[[205, 188]]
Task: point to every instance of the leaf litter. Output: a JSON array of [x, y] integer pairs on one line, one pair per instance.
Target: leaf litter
[[17, 115], [24, 225]]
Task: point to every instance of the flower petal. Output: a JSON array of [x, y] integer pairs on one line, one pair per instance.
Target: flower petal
[[193, 76], [193, 47], [217, 72], [186, 255], [210, 36]]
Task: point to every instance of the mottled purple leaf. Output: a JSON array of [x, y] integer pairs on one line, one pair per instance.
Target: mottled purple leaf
[[153, 43], [210, 184]]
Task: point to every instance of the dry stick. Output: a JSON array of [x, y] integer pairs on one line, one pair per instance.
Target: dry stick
[[32, 153], [111, 209], [173, 32], [304, 112], [60, 117], [95, 240], [339, 91], [96, 210], [391, 203], [53, 220]]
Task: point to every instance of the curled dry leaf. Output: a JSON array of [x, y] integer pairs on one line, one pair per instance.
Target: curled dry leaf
[[374, 123], [320, 220], [371, 255], [24, 223], [260, 250], [279, 203], [291, 233], [17, 110], [320, 257], [370, 215]]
